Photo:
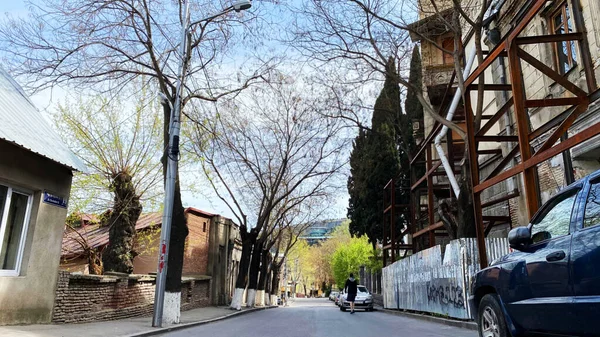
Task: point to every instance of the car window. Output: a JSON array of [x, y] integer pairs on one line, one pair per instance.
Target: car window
[[592, 206], [555, 219], [362, 290]]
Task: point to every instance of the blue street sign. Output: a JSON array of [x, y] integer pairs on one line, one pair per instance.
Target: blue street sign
[[54, 200]]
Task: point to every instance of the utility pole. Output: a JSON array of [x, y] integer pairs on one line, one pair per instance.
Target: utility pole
[[173, 157]]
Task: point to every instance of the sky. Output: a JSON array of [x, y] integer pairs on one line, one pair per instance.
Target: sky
[[205, 199]]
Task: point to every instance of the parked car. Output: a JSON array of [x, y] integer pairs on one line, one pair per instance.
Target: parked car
[[550, 283], [333, 295], [338, 298], [363, 300]]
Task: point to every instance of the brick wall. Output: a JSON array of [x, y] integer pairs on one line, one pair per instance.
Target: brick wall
[[195, 293], [195, 261], [86, 298]]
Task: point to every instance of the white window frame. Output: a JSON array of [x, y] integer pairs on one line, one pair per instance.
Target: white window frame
[[3, 226]]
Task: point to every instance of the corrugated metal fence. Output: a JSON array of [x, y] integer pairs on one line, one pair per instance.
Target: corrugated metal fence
[[431, 282]]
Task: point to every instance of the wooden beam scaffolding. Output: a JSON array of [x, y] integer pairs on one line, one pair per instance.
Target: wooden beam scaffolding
[[509, 46]]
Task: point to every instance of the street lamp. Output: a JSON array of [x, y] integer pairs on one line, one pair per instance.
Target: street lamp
[[173, 153]]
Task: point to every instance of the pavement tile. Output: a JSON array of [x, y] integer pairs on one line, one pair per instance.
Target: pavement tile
[[141, 326]]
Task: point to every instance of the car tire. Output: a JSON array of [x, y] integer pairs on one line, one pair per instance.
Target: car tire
[[490, 318], [342, 308]]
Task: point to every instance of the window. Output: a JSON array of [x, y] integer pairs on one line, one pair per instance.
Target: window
[[204, 227], [564, 51], [448, 44], [592, 207], [555, 219], [14, 217]]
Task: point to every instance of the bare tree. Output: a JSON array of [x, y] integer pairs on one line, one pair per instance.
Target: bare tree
[[292, 228], [269, 148], [106, 44], [287, 224], [358, 37], [93, 255]]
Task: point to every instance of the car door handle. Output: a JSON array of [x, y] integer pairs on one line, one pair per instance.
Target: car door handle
[[556, 256]]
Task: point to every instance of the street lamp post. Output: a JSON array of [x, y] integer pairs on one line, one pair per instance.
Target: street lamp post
[[172, 157]]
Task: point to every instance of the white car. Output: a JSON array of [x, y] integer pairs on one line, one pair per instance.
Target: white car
[[363, 300], [333, 295]]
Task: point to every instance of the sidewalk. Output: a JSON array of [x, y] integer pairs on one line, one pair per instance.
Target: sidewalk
[[141, 326]]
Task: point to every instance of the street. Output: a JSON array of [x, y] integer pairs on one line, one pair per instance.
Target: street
[[321, 318]]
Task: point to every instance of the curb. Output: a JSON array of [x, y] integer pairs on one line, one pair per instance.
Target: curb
[[455, 323], [193, 324]]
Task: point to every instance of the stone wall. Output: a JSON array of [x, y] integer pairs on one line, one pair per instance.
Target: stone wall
[[86, 298]]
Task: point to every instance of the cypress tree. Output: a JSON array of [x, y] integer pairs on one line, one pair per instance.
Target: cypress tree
[[412, 106], [374, 161]]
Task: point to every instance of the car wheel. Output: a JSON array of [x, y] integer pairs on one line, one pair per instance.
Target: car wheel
[[342, 308], [491, 322]]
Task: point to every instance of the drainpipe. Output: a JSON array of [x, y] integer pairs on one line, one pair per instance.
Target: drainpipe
[[449, 116]]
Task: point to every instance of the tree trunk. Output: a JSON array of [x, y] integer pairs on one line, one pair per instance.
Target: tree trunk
[[254, 271], [275, 268], [262, 281], [457, 214], [95, 262], [466, 216], [179, 231], [119, 254], [248, 240], [448, 214], [268, 290]]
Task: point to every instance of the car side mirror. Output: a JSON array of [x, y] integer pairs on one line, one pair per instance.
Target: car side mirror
[[519, 237]]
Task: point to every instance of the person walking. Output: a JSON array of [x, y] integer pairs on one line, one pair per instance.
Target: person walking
[[350, 289]]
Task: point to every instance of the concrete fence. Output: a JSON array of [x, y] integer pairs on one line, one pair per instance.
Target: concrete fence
[[437, 282], [87, 298]]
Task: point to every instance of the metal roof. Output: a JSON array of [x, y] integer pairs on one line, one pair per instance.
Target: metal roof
[[97, 236], [22, 124]]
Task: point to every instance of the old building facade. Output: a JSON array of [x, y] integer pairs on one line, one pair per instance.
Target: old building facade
[[559, 68], [36, 169]]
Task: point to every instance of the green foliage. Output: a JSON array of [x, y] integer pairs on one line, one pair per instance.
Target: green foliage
[[412, 105], [348, 259], [74, 220], [113, 136], [375, 263]]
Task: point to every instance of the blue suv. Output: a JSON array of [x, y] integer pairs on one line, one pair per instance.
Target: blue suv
[[550, 283]]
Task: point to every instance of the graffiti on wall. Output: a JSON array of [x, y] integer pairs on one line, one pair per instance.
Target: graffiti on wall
[[436, 282], [445, 292]]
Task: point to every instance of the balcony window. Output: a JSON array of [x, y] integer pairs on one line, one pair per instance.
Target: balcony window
[[565, 56], [448, 44], [15, 207]]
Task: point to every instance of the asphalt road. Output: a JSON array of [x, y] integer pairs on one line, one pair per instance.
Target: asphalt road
[[320, 318]]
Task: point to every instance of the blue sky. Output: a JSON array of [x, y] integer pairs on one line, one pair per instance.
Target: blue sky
[[14, 7], [207, 201]]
